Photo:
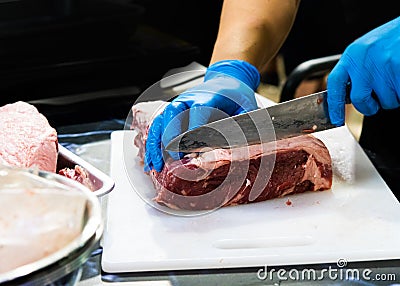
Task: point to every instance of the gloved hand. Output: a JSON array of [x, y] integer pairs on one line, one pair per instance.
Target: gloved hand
[[371, 64], [228, 89]]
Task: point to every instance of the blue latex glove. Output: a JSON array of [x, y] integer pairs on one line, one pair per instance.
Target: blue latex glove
[[227, 90], [371, 64]]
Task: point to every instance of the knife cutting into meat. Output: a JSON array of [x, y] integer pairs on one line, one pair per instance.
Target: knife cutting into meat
[[295, 117]]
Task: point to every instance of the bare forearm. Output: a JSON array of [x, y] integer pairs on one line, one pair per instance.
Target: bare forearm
[[253, 30]]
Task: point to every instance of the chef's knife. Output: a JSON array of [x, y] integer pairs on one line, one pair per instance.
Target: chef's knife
[[295, 117]]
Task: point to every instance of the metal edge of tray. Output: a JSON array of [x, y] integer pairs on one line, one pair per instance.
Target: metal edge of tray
[[102, 182]]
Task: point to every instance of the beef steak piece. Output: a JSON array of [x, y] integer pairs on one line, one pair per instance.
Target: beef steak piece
[[226, 177]]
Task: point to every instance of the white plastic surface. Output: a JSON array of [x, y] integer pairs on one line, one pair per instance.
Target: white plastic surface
[[357, 220]]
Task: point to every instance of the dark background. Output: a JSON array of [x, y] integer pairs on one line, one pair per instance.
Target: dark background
[[115, 49], [51, 48]]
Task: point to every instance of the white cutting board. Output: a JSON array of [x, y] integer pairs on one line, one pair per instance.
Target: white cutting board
[[357, 220]]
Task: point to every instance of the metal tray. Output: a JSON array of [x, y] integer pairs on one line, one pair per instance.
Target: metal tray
[[102, 183]]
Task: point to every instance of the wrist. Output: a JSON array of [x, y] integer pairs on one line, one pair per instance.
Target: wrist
[[241, 70]]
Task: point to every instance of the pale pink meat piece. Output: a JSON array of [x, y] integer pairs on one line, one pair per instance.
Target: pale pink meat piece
[[26, 138], [78, 174]]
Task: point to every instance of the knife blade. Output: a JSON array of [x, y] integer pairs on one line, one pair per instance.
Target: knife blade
[[291, 118]]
